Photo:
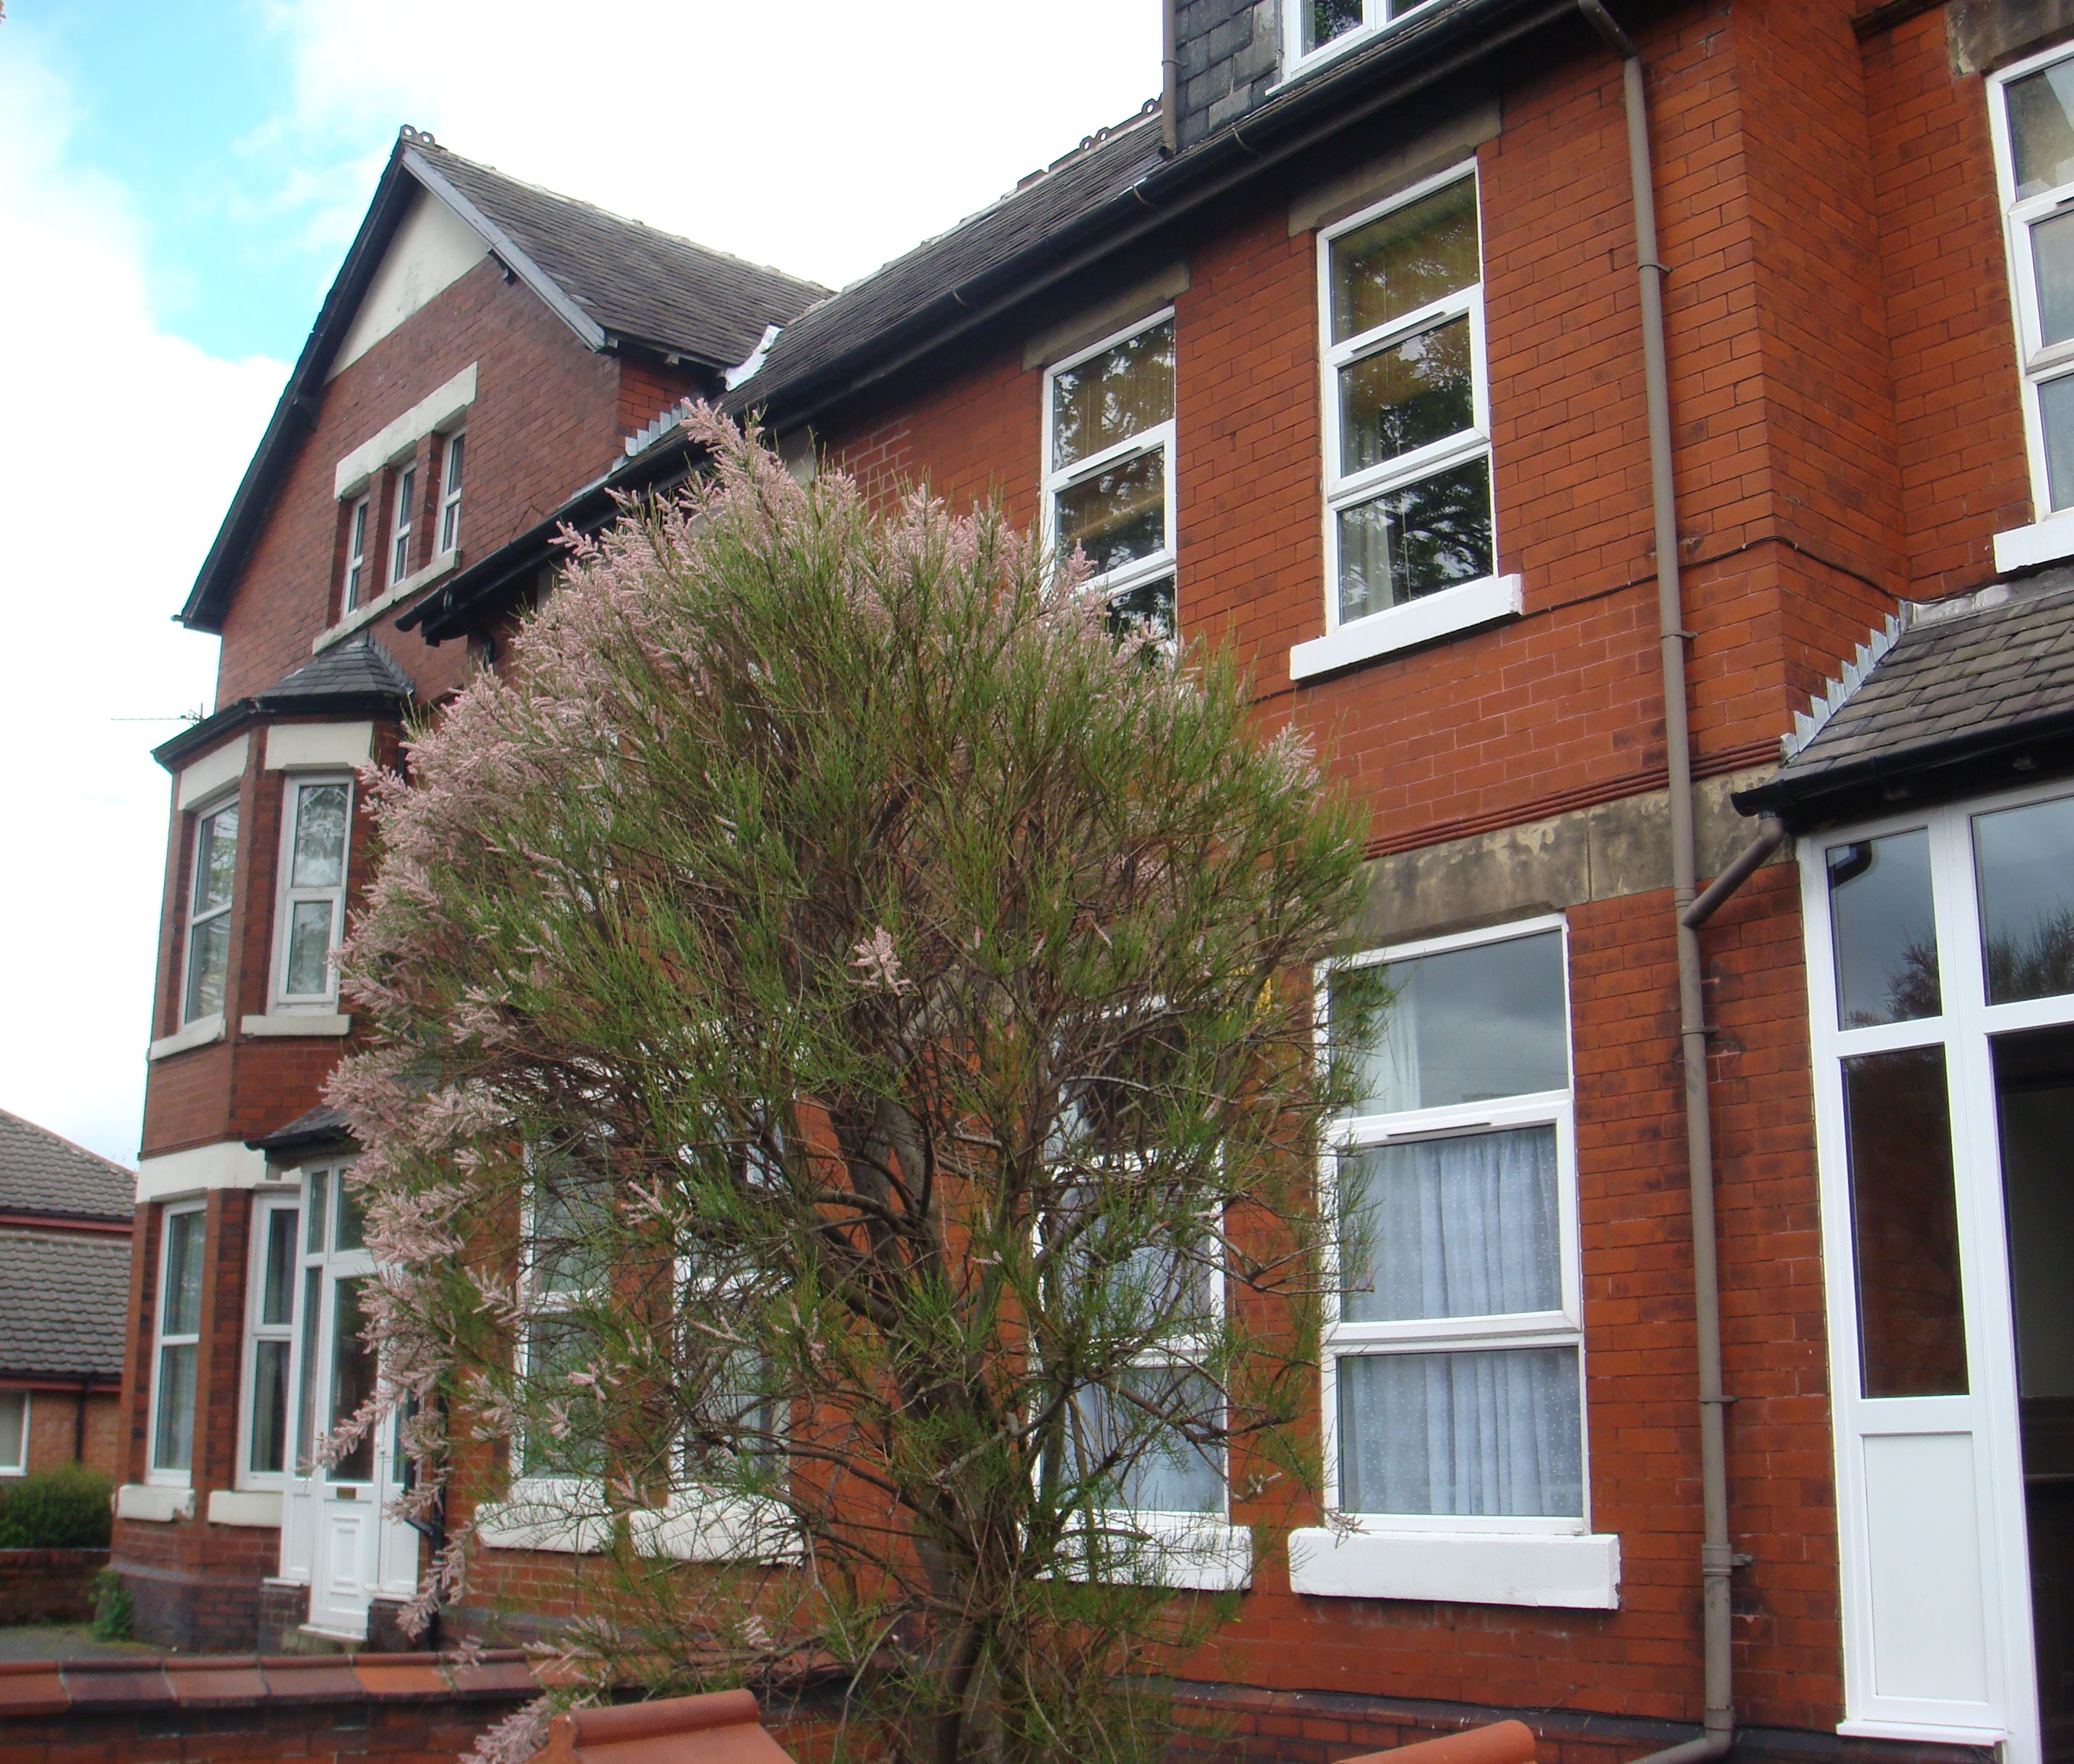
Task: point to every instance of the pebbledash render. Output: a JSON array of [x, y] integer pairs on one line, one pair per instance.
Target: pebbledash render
[[1640, 439]]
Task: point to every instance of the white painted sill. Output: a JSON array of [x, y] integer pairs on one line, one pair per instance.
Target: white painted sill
[[1407, 626], [198, 1034], [149, 1501], [568, 1517], [296, 1022], [1924, 1731], [1190, 1552], [1459, 1567], [2042, 541], [374, 608], [246, 1506]]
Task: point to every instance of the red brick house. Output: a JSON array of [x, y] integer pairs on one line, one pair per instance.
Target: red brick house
[[1558, 413]]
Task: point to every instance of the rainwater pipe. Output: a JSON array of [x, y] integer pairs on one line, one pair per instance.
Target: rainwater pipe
[[1717, 1556]]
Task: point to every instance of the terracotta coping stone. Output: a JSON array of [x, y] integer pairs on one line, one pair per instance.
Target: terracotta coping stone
[[215, 1680], [138, 1682], [721, 1726], [32, 1687], [1502, 1742], [308, 1678], [390, 1676], [503, 1672]]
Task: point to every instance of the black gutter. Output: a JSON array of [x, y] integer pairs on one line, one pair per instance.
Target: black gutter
[[241, 711], [1314, 110]]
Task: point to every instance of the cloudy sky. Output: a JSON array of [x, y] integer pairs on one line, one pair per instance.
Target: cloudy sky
[[179, 180]]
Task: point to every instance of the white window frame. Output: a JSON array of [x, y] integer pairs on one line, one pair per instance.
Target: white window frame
[[1473, 602], [400, 520], [1158, 438], [1377, 16], [265, 1209], [154, 1474], [358, 518], [20, 1466], [199, 817], [453, 450], [286, 896]]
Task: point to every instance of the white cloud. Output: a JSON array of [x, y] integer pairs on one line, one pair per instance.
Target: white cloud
[[120, 447]]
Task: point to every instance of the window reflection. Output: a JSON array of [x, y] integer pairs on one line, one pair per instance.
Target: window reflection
[[1886, 931], [2025, 859]]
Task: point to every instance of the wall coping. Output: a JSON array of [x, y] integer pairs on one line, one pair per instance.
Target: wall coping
[[132, 1682]]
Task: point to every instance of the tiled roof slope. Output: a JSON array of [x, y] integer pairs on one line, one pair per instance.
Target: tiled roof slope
[[632, 280], [310, 1127], [62, 1301], [1074, 188], [1963, 680], [40, 1172], [359, 665]]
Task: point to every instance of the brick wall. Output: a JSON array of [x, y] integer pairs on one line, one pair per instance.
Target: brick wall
[[48, 1586], [55, 1431]]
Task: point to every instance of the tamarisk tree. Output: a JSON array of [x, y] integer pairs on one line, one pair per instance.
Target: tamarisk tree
[[844, 1113]]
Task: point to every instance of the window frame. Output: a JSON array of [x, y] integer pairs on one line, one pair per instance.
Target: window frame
[[1342, 492], [265, 1207], [287, 896], [191, 921], [156, 1474], [401, 521], [359, 519], [1056, 479], [1376, 19], [452, 454], [1562, 1328], [20, 1466]]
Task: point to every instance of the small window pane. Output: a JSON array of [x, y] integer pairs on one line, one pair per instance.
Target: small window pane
[[1481, 1434], [2041, 119], [1402, 260], [2056, 410], [270, 1405], [319, 1184], [320, 836], [570, 1221], [2052, 266], [216, 856], [173, 1443], [352, 1380], [277, 1289], [1452, 1228], [1404, 397], [555, 1347], [1119, 514], [1148, 605], [14, 1429], [1886, 931], [1905, 1224], [306, 1406], [309, 949], [1120, 393], [1161, 1470], [208, 961], [1470, 1025], [352, 1220], [1410, 543], [180, 1304], [1324, 20], [2026, 860]]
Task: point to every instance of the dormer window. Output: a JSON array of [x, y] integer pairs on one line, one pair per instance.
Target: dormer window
[[399, 526], [450, 492], [1316, 26], [356, 555]]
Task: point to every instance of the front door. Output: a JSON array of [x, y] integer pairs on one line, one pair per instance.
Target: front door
[[337, 1533]]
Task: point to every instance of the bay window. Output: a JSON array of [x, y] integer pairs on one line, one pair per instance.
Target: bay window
[[316, 816], [214, 864], [179, 1337], [270, 1339]]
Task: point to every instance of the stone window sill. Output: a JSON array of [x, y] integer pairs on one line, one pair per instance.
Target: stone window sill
[[568, 1516], [1408, 627], [198, 1034], [2042, 541], [296, 1022], [374, 608], [1191, 1552], [246, 1506], [1578, 1572], [154, 1502]]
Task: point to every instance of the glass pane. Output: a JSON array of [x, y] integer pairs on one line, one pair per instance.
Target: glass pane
[[1885, 932], [734, 1416], [1905, 1224], [1118, 514], [215, 856], [1149, 606], [276, 1288], [1416, 541], [2025, 858], [352, 1380], [208, 961], [454, 449], [2041, 120], [1452, 1228], [405, 489], [270, 1405], [2052, 266], [14, 1428], [309, 949], [306, 1407], [172, 1440], [179, 1306], [555, 1347], [1470, 1025], [1402, 260], [1477, 1435], [2034, 1111], [1403, 396], [319, 836], [320, 1182], [571, 1228], [2056, 408], [1160, 1470], [1114, 396], [1325, 19], [352, 1219]]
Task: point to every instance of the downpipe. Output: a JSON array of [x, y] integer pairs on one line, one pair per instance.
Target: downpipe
[[1717, 1557]]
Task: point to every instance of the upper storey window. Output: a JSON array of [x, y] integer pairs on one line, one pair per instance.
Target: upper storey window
[[208, 913], [317, 815], [2034, 115], [1108, 479], [356, 555], [399, 525], [450, 492], [1327, 26]]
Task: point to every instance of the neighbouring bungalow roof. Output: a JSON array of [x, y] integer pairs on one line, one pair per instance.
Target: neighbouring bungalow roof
[[62, 1301], [1975, 693], [41, 1172], [356, 677]]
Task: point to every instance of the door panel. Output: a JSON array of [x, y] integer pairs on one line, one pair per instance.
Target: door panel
[[1929, 1617]]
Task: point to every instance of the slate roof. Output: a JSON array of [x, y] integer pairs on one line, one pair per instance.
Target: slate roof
[[62, 1301], [41, 1173], [1971, 682], [632, 280], [312, 1127], [357, 675]]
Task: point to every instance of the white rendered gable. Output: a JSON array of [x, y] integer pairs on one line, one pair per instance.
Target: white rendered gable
[[433, 249]]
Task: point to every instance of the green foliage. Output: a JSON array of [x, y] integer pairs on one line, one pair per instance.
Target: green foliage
[[63, 1508], [113, 1609]]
